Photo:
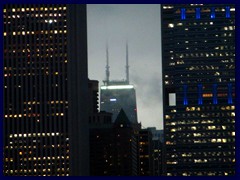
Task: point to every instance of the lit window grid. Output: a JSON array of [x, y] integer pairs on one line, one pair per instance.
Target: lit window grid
[[29, 58], [181, 60]]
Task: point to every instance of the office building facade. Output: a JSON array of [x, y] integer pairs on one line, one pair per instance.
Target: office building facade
[[119, 95], [198, 60], [45, 90]]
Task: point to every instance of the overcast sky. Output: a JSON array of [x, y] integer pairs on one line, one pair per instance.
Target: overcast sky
[[140, 26]]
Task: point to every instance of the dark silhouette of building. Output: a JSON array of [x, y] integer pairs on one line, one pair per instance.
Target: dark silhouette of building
[[198, 58], [117, 95], [157, 146], [113, 147], [93, 96], [145, 153], [45, 90]]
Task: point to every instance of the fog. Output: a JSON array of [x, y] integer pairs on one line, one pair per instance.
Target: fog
[[140, 26]]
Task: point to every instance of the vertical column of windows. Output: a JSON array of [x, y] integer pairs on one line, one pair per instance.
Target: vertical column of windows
[[63, 67], [21, 91], [35, 46], [7, 125], [40, 89]]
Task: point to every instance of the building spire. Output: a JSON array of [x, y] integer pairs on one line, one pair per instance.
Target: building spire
[[107, 66], [127, 66]]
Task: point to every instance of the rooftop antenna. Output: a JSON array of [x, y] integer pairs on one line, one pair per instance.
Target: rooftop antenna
[[127, 66], [107, 67]]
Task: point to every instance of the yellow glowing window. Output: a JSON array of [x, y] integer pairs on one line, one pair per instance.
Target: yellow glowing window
[[208, 95]]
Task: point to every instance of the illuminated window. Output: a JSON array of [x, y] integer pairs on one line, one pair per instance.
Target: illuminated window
[[171, 25], [215, 101], [227, 12], [193, 128], [212, 13], [185, 100], [200, 96], [183, 13], [198, 15]]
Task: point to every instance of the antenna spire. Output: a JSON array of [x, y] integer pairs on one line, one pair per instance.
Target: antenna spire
[[107, 66], [127, 66]]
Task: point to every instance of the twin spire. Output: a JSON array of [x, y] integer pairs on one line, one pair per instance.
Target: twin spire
[[106, 82]]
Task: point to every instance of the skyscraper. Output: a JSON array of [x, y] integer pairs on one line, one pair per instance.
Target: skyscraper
[[117, 95], [45, 90], [198, 57]]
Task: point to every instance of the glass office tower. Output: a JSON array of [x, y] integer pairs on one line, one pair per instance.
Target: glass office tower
[[45, 87], [117, 95], [198, 57]]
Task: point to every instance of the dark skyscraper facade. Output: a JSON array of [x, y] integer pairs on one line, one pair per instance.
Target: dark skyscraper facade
[[45, 87], [198, 58]]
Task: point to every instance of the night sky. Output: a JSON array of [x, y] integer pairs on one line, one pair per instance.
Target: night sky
[[140, 26]]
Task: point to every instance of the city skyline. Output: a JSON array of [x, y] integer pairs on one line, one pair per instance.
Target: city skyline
[[61, 62], [140, 26]]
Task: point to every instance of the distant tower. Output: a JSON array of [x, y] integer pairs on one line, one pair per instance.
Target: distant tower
[[127, 66], [107, 67], [117, 95]]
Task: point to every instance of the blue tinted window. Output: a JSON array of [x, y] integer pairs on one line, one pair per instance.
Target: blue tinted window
[[215, 101], [183, 13], [185, 100], [200, 98], [228, 12], [198, 13], [230, 93], [212, 13]]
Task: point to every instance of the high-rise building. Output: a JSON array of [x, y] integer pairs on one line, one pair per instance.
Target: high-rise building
[[117, 95], [45, 90], [113, 146], [198, 58], [145, 153], [157, 146]]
